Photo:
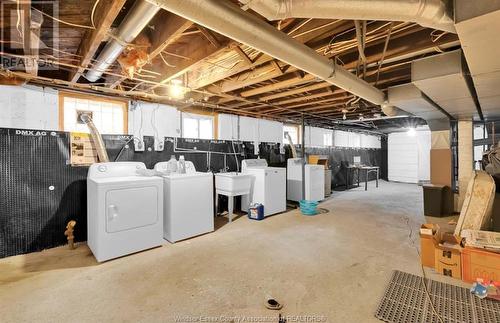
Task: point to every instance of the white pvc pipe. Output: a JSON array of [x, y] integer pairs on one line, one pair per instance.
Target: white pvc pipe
[[228, 19], [428, 13]]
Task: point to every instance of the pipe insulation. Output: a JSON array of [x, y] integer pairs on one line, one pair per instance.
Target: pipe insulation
[[434, 14], [230, 20], [134, 22]]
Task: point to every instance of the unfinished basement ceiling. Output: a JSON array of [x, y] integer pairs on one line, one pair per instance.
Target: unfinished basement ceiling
[[222, 74]]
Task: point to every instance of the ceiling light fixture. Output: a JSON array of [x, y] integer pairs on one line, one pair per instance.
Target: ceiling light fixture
[[412, 132], [176, 89]]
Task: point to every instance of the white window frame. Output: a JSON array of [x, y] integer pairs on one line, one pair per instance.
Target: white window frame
[[115, 104], [297, 129], [197, 117]]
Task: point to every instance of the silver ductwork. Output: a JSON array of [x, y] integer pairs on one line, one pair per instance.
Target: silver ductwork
[[444, 79], [428, 13], [228, 19], [392, 111], [478, 26], [134, 22], [96, 138], [409, 98]]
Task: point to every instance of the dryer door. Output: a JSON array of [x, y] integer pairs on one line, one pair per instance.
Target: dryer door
[[130, 208]]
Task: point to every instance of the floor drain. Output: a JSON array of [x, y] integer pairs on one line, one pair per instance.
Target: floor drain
[[273, 304]]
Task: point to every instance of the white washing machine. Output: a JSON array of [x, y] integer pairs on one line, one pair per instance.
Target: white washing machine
[[268, 186], [124, 210], [189, 203], [314, 177]]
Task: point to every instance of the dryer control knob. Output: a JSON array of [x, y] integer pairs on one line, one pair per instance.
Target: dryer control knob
[[102, 168]]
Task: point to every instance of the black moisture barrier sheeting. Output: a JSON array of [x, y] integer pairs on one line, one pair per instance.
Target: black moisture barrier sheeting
[[40, 191]]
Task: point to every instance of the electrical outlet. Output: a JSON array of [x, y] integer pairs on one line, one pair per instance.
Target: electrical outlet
[[159, 145], [139, 145]]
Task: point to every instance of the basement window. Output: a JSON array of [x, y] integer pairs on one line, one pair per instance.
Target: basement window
[[197, 126], [293, 131], [109, 116]]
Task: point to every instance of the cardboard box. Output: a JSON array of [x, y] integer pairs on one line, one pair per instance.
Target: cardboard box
[[447, 260], [478, 263], [429, 239], [441, 167]]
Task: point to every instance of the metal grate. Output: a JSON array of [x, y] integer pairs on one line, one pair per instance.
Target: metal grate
[[405, 300]]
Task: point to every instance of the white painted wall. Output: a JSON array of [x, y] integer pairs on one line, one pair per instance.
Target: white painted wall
[[355, 140], [249, 129], [37, 107], [30, 107], [409, 156], [259, 130], [270, 131], [152, 119], [315, 137], [227, 127]]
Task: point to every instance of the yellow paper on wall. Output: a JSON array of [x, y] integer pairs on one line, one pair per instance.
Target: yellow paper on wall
[[83, 152]]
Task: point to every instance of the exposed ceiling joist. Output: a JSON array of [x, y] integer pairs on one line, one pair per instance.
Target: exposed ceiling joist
[[106, 13]]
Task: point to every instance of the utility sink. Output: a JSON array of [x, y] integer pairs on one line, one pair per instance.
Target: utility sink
[[233, 184]]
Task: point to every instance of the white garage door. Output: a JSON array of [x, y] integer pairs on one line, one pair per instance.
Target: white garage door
[[408, 157]]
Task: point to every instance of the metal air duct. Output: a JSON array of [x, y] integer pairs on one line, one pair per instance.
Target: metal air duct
[[409, 98], [228, 19], [134, 22], [428, 13], [478, 26], [444, 78], [96, 138]]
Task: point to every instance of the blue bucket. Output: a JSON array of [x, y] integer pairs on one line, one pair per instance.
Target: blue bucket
[[308, 207]]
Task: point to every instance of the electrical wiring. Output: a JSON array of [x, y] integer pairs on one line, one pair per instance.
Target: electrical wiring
[[123, 148], [386, 44], [165, 61], [435, 37], [424, 277], [153, 122], [69, 23], [18, 23]]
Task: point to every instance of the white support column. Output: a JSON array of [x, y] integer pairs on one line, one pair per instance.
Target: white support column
[[465, 158]]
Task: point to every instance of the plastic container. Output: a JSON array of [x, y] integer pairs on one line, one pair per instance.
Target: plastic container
[[172, 165], [433, 200], [182, 165], [256, 212], [308, 207]]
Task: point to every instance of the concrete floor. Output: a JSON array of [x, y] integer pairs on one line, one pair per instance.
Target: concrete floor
[[333, 266]]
